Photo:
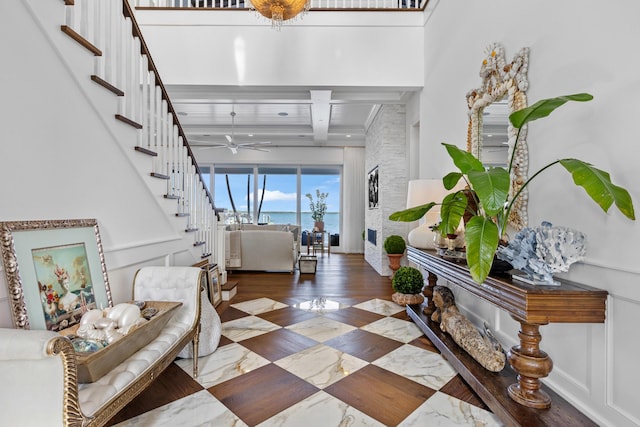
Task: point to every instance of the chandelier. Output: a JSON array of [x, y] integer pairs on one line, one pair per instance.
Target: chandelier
[[279, 11]]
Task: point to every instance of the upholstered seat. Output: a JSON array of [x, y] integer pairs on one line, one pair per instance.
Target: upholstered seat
[[210, 330], [39, 372], [261, 250]]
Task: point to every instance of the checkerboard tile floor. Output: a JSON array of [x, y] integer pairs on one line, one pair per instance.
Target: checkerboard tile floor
[[322, 363]]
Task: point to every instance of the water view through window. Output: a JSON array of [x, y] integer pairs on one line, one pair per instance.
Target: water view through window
[[283, 200]]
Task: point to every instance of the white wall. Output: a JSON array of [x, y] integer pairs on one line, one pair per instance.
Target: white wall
[[64, 156], [576, 46], [321, 49]]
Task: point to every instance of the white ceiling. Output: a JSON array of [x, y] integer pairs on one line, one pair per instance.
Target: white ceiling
[[284, 116]]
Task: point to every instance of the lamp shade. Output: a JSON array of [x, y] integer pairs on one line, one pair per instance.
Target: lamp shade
[[421, 192]]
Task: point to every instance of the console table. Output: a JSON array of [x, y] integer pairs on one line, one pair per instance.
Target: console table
[[531, 306]]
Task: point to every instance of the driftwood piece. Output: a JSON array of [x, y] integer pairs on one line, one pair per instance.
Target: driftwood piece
[[486, 350]]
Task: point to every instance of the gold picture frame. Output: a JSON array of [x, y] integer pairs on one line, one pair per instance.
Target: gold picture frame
[[55, 271], [211, 281], [215, 290]]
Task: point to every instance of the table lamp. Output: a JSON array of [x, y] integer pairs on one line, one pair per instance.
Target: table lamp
[[421, 192]]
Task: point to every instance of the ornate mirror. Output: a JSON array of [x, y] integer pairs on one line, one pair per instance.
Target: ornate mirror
[[491, 138]]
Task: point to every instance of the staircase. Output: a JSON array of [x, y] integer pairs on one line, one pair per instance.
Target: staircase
[[123, 66]]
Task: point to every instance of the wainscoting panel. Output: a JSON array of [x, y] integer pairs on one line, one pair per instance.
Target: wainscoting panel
[[622, 357]]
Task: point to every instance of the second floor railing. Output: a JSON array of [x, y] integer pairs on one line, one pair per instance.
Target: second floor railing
[[315, 4]]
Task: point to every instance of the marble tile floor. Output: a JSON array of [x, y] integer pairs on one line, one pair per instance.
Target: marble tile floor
[[321, 363]]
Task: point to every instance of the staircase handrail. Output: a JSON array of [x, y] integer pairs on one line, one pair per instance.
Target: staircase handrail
[[152, 67]]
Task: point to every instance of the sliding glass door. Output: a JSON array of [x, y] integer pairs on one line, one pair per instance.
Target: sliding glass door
[[265, 194], [325, 180], [233, 191], [277, 204]]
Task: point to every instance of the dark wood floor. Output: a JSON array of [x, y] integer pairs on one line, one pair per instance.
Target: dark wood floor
[[345, 278], [338, 276]]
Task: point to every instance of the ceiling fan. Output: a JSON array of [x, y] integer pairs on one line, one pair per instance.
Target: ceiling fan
[[235, 146]]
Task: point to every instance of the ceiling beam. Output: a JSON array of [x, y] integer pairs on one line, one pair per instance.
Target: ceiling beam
[[320, 114]]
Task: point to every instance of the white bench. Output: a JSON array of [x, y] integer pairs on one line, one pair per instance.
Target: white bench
[[38, 368]]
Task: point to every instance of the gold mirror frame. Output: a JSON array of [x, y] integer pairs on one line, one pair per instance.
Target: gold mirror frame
[[500, 79]]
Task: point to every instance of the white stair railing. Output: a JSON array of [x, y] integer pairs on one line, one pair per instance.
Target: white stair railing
[[123, 65]]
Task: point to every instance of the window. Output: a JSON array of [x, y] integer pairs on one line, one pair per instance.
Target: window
[[205, 172], [240, 185], [327, 180], [280, 197], [284, 200]]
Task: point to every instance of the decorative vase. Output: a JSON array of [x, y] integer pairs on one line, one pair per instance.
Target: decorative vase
[[439, 241], [318, 225]]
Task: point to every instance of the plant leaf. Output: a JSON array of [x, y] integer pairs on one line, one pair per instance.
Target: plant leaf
[[451, 179], [463, 160], [599, 187], [481, 238], [544, 107], [412, 214], [491, 187], [453, 207]]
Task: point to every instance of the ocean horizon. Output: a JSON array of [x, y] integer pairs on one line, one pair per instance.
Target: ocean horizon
[[331, 220]]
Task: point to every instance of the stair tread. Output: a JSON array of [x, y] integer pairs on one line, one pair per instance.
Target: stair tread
[[128, 121], [145, 151], [81, 40], [229, 285], [105, 84], [159, 175]]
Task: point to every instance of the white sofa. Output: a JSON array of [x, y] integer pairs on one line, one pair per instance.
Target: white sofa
[[39, 373], [260, 250]]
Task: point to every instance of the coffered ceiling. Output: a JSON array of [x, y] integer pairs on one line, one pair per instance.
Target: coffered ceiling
[[282, 116]]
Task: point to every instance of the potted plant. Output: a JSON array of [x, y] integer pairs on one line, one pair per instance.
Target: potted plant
[[318, 209], [407, 283], [490, 189], [394, 246]]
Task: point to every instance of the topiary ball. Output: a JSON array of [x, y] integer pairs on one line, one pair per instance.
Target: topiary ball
[[394, 244], [407, 280]]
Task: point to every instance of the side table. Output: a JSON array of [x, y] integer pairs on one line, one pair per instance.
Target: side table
[[316, 242]]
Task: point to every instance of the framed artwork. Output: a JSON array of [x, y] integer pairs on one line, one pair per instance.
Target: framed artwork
[[215, 290], [373, 188], [211, 281], [55, 271]]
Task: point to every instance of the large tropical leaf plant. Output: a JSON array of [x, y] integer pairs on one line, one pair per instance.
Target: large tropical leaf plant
[[490, 190]]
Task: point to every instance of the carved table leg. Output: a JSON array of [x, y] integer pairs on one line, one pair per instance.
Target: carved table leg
[[531, 364], [432, 279]]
